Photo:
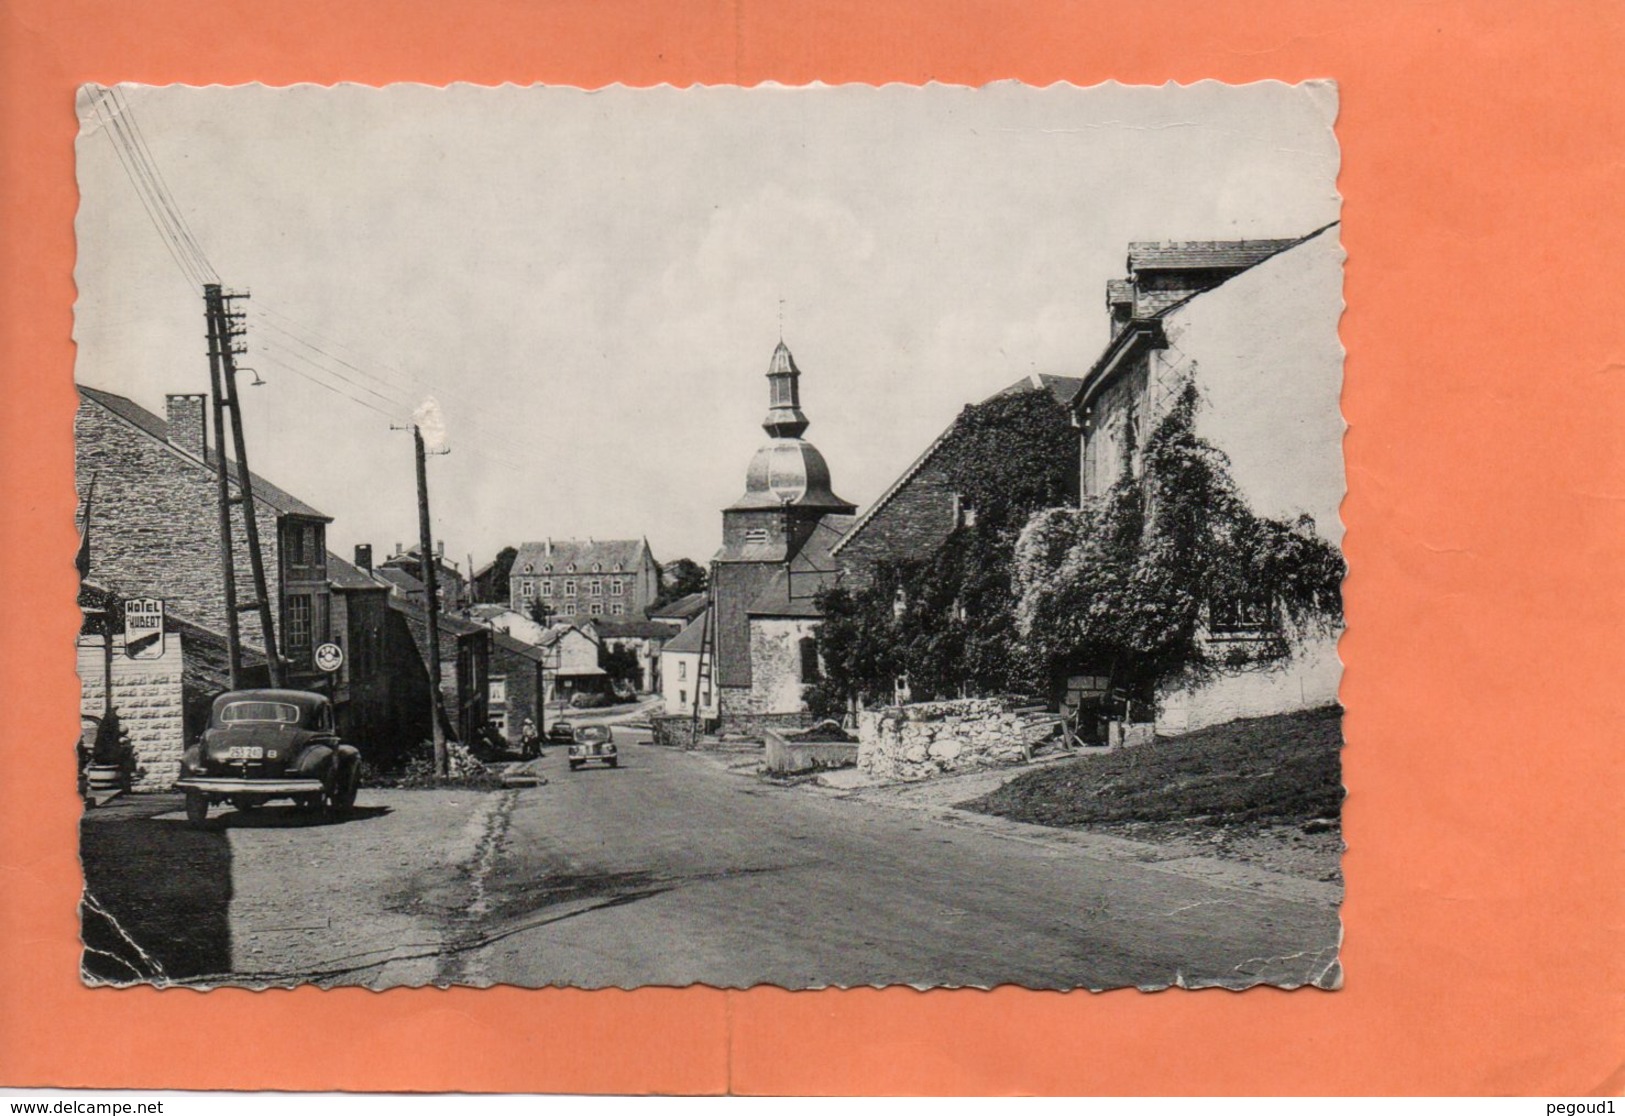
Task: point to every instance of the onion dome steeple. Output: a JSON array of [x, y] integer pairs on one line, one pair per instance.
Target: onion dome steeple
[[784, 418], [788, 472]]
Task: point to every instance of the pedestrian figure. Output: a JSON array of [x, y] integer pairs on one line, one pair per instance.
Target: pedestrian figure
[[530, 741]]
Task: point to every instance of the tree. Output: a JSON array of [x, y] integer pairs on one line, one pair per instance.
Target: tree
[[542, 612], [621, 664], [1126, 585], [946, 619], [679, 579], [501, 568]]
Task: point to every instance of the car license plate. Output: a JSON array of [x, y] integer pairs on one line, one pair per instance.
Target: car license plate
[[244, 752]]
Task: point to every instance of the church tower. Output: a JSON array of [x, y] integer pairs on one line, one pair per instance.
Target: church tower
[[770, 533]]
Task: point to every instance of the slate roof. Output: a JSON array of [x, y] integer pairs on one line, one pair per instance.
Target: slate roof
[[447, 623], [610, 628], [149, 423], [344, 575], [683, 608], [688, 640], [582, 553], [794, 587], [402, 580], [506, 642], [1203, 255]]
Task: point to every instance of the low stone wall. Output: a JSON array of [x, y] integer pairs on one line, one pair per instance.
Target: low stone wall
[[757, 725], [787, 756], [903, 743], [678, 731]]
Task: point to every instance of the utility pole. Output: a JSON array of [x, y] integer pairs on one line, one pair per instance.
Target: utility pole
[[224, 327], [427, 568]]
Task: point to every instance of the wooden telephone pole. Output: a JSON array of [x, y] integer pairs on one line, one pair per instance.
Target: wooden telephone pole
[[225, 326], [432, 605]]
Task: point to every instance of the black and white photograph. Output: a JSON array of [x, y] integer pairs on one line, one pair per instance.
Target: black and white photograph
[[828, 536]]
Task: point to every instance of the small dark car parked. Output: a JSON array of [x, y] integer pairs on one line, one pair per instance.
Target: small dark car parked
[[268, 744], [561, 732]]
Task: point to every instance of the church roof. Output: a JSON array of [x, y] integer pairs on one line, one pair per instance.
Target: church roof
[[1203, 255], [794, 589], [789, 472]]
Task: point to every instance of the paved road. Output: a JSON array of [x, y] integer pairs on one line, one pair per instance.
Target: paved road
[[673, 869]]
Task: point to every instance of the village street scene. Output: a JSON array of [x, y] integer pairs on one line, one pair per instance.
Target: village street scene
[[832, 537]]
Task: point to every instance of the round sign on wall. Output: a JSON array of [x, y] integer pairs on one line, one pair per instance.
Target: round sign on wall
[[329, 657]]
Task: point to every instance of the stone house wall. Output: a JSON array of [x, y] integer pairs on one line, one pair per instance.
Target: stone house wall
[[776, 664], [916, 521], [154, 527], [150, 700], [904, 743]]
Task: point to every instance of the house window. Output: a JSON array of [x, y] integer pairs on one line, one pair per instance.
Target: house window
[[526, 590], [682, 670], [682, 697], [498, 690], [617, 587], [809, 659], [298, 629], [1240, 616], [616, 608], [596, 587], [570, 588], [570, 608], [547, 588], [597, 567], [597, 608], [529, 568]]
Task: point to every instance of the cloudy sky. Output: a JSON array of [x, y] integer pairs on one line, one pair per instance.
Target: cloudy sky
[[591, 284]]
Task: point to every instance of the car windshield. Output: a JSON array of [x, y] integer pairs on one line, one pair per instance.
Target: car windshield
[[260, 712]]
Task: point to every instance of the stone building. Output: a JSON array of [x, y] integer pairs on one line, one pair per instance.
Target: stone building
[[516, 686], [614, 578], [156, 527], [1253, 324], [921, 508], [775, 559]]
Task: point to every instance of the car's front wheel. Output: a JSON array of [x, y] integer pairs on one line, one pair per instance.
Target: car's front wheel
[[197, 809]]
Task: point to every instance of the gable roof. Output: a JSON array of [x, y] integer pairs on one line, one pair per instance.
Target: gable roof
[[582, 553], [683, 608], [689, 640], [611, 628], [343, 575], [795, 586], [1203, 255], [505, 642], [148, 423], [1063, 388], [402, 580]]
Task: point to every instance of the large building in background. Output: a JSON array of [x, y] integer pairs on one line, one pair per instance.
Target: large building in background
[[774, 561], [580, 578]]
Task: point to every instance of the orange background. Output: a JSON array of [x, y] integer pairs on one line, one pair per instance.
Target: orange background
[[1486, 824]]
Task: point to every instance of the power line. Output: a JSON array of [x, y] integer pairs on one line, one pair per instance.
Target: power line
[[163, 234], [165, 192], [147, 179]]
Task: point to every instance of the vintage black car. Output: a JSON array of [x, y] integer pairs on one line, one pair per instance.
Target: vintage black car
[[268, 744], [593, 744]]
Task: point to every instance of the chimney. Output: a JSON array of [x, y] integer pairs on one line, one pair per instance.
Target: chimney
[[397, 550], [440, 551], [363, 556], [187, 424]]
